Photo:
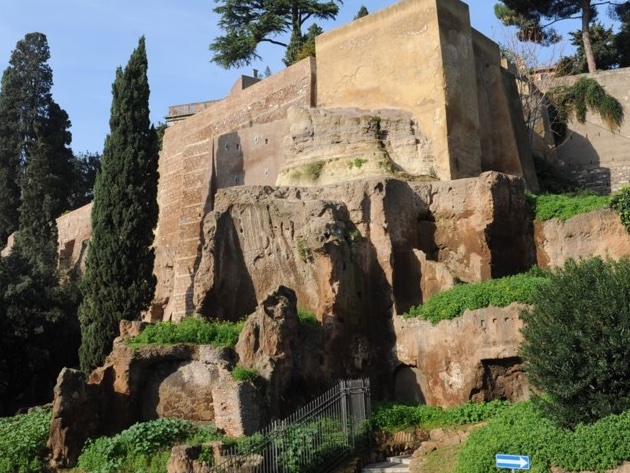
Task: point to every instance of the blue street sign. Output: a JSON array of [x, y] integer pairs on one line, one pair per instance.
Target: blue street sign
[[515, 462]]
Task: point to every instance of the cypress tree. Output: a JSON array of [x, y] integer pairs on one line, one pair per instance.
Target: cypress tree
[[27, 110], [38, 323], [119, 282]]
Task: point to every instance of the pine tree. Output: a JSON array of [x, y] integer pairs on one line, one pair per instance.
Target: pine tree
[[119, 282], [247, 23], [27, 109]]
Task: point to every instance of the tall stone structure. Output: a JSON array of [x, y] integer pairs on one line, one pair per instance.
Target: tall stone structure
[[456, 115]]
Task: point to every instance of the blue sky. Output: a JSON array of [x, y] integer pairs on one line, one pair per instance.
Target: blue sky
[[89, 39]]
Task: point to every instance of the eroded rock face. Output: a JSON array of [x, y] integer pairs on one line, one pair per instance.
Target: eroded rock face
[[598, 233], [267, 342], [191, 382], [471, 358], [74, 418], [358, 253], [344, 144]]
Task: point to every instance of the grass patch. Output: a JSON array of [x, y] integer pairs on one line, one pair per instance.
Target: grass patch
[[357, 163], [522, 430], [442, 460], [314, 170], [306, 317], [565, 206], [494, 292], [23, 442], [143, 447], [394, 417], [241, 373], [189, 330]]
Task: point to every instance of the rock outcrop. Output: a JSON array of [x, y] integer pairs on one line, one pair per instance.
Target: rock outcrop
[[471, 358], [358, 253], [597, 233], [323, 146], [268, 341], [192, 382], [74, 418]]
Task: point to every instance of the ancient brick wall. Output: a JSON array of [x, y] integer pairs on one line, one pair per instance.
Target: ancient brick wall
[[235, 141], [592, 153]]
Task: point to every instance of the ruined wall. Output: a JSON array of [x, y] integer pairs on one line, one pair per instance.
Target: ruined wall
[[235, 141], [503, 133], [423, 57], [382, 61], [592, 153], [74, 230], [471, 358]]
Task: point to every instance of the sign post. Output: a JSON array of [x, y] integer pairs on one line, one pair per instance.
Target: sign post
[[512, 462]]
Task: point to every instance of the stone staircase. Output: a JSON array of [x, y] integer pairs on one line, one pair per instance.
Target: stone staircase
[[392, 465]]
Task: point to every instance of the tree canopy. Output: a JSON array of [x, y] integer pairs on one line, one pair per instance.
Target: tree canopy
[[604, 51], [535, 18], [247, 23], [30, 118], [119, 282], [38, 324]]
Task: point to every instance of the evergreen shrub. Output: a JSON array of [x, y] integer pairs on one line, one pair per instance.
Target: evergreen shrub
[[576, 341]]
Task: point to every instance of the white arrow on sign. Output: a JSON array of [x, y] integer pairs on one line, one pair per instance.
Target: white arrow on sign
[[520, 461], [512, 461]]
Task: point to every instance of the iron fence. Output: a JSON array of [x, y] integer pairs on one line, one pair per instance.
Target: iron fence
[[314, 439]]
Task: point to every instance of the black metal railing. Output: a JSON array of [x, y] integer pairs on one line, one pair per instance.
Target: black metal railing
[[314, 439]]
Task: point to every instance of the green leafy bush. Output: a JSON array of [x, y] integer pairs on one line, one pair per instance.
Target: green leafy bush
[[142, 447], [494, 292], [620, 202], [23, 442], [393, 417], [306, 448], [240, 373], [522, 429], [565, 206], [190, 330], [577, 341]]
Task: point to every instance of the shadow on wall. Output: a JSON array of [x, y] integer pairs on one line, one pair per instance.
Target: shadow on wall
[[579, 160], [233, 295], [408, 381]]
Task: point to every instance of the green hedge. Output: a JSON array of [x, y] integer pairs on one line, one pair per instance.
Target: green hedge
[[393, 417], [190, 330], [522, 430], [494, 292], [23, 442], [565, 206], [144, 447]]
